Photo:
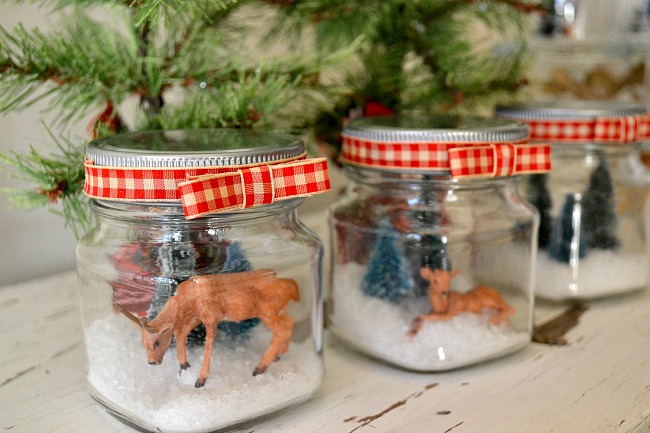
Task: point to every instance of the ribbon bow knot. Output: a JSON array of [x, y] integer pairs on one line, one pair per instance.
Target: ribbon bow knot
[[616, 129], [248, 187], [499, 160]]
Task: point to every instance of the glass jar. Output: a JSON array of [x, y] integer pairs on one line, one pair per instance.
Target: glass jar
[[433, 248], [158, 277], [592, 236]]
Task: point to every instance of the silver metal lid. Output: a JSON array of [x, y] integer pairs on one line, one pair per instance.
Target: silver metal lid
[[402, 128], [193, 148], [569, 110]]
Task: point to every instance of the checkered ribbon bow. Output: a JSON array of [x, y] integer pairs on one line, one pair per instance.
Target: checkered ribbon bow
[[499, 160], [604, 130], [253, 186], [462, 160], [208, 190]]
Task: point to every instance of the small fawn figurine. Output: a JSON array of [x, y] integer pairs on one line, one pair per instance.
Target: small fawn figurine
[[446, 304], [209, 299]]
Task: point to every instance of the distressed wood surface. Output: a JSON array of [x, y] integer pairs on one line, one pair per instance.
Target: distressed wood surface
[[598, 382]]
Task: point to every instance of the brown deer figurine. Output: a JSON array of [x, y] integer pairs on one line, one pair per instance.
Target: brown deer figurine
[[209, 299], [446, 304]]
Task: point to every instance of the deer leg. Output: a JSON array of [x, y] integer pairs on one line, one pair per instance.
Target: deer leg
[[181, 349], [415, 327], [504, 312], [285, 335], [181, 344], [282, 328], [210, 335], [417, 323]]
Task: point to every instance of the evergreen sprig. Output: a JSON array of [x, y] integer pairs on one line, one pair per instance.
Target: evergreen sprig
[[446, 56], [184, 63], [59, 178], [77, 74]]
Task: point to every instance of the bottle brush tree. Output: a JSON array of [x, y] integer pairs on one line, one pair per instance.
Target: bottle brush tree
[[566, 243], [599, 209], [388, 275]]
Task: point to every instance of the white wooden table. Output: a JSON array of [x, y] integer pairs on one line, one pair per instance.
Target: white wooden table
[[599, 383]]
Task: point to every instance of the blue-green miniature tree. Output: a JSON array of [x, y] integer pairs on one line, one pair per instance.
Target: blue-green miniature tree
[[236, 261], [539, 196], [563, 233], [599, 210], [388, 275]]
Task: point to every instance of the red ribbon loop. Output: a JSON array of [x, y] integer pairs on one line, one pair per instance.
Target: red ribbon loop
[[248, 187]]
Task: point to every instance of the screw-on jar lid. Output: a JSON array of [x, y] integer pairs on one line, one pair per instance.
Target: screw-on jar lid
[[447, 129], [461, 146], [582, 121], [193, 148], [569, 110], [207, 170]]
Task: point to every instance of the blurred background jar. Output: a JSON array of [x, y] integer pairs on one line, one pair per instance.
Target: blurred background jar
[[194, 228], [593, 203], [591, 50], [433, 250]]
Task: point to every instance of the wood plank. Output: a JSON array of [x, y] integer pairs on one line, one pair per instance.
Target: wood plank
[[599, 382]]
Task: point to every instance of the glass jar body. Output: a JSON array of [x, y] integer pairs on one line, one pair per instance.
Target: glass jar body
[[593, 207], [400, 240], [255, 273]]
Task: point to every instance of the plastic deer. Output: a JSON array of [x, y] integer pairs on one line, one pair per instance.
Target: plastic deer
[[446, 304], [209, 299]]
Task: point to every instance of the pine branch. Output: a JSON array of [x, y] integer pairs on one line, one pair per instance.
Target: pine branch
[[37, 65], [464, 68], [149, 12], [152, 12], [59, 178]]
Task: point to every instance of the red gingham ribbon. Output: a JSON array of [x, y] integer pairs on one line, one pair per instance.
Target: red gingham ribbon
[[605, 130], [163, 184], [499, 160], [461, 159], [253, 186]]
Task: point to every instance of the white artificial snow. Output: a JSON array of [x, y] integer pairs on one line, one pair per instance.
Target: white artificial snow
[[158, 398], [599, 273], [380, 328]]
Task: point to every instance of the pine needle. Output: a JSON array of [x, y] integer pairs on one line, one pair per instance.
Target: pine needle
[[59, 181]]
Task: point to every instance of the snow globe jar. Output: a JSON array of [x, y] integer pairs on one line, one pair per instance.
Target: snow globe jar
[[433, 249], [199, 265], [593, 228]]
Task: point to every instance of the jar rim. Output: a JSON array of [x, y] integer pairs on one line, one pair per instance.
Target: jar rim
[[569, 110], [188, 148], [409, 128]]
